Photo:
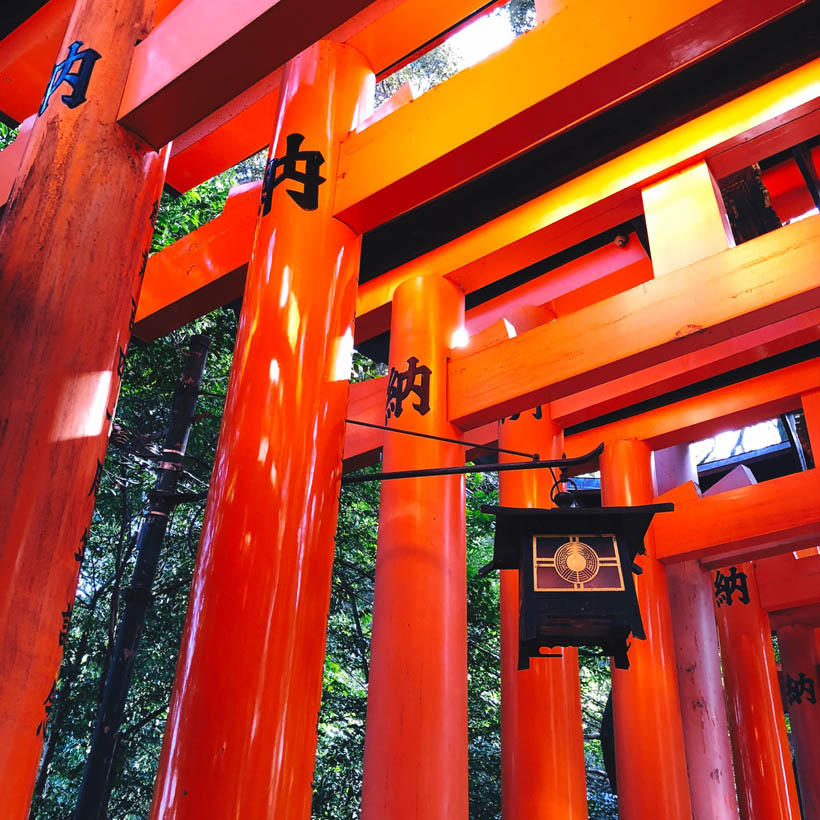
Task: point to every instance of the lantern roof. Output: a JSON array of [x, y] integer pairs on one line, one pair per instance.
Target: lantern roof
[[630, 523]]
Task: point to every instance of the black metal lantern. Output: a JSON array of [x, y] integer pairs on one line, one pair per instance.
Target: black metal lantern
[[574, 574]]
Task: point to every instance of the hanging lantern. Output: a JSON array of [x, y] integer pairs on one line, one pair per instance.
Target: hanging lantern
[[574, 574]]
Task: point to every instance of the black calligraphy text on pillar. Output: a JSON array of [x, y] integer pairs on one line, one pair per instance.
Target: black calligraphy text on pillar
[[400, 384], [798, 688], [308, 198], [78, 80], [727, 586], [537, 414]]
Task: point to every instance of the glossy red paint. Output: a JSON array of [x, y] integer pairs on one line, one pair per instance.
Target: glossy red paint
[[763, 766], [798, 657], [542, 744], [649, 750], [697, 657], [241, 733], [415, 755]]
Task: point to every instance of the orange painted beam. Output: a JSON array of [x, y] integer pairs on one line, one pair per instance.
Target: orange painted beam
[[787, 582], [732, 136], [388, 33], [365, 402], [597, 200], [766, 280], [162, 100], [744, 523], [583, 281], [206, 269], [598, 56], [224, 48], [727, 408], [28, 54], [681, 371]]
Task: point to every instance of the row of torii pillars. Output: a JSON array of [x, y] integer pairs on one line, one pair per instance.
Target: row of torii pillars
[[241, 731]]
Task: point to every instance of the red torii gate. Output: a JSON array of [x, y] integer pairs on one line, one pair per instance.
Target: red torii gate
[[609, 329]]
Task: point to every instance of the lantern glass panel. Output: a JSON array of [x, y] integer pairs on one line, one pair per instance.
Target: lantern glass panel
[[576, 563]]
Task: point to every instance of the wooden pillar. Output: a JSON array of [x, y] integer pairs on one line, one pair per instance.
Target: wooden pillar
[[542, 745], [241, 733], [649, 748], [415, 754], [801, 674], [763, 766], [74, 239], [697, 656]]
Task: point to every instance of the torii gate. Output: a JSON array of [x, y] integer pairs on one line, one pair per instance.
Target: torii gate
[[606, 116]]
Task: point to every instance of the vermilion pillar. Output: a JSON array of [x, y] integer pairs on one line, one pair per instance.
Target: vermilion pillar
[[415, 754], [73, 243], [763, 766], [801, 674], [241, 734], [649, 749], [542, 744], [702, 706]]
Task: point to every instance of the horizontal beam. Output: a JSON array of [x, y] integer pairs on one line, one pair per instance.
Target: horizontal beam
[[765, 280], [598, 56], [190, 278], [806, 615], [204, 54], [646, 384], [732, 136], [786, 582], [743, 524], [164, 99], [28, 54], [366, 402], [386, 32], [728, 408], [588, 205]]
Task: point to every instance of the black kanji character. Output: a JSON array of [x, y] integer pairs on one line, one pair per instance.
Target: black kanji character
[[537, 414], [797, 688], [401, 385], [80, 553], [66, 613], [95, 484], [308, 198], [78, 80], [727, 585], [48, 703], [133, 316], [121, 363]]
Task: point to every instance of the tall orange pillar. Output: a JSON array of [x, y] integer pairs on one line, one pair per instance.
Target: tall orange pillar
[[697, 654], [241, 733], [542, 742], [801, 674], [649, 748], [74, 238], [763, 766], [415, 753]]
